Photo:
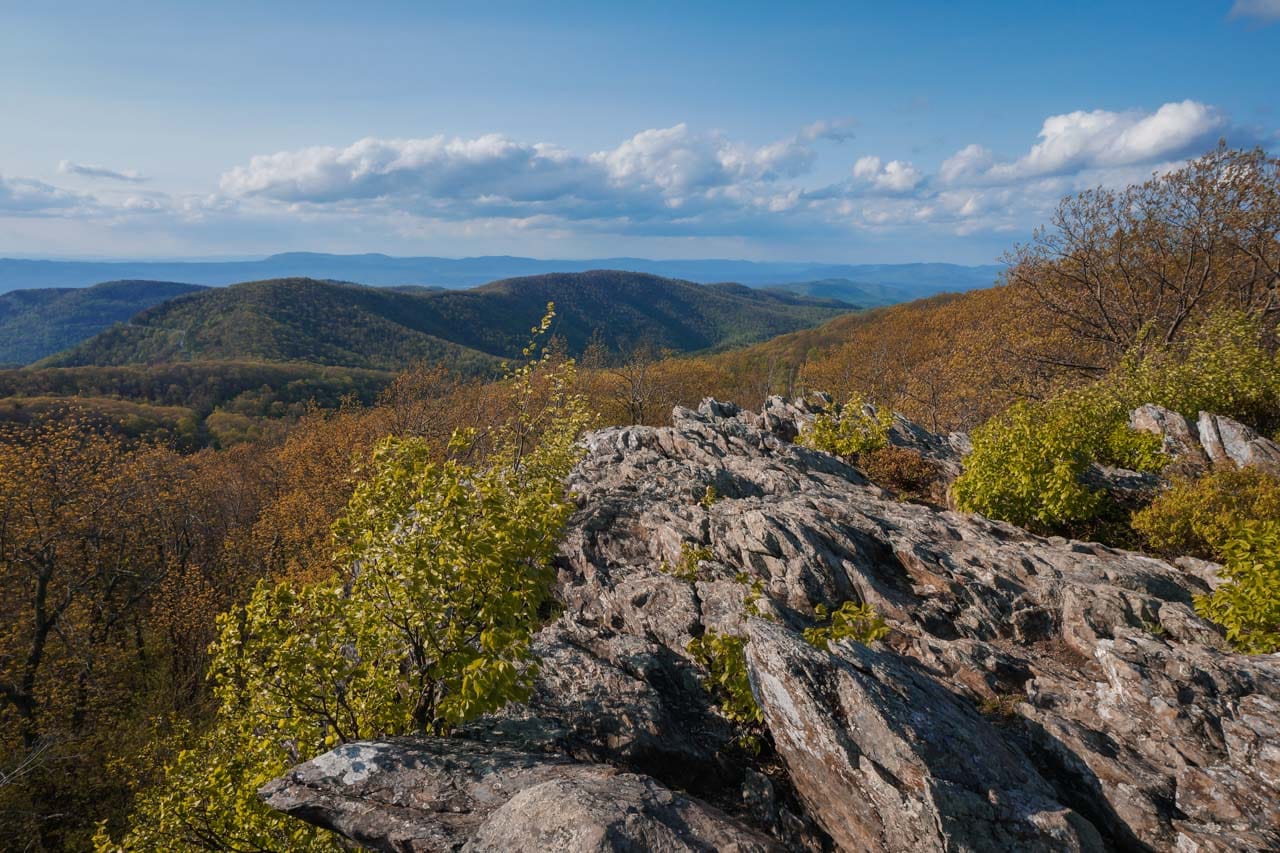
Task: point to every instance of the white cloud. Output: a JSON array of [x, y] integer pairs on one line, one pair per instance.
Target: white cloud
[[657, 173], [661, 184], [88, 170], [896, 176], [1082, 140], [834, 130], [1267, 11], [23, 196]]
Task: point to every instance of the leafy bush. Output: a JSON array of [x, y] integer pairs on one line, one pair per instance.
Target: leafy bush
[[1248, 603], [1027, 465], [724, 657], [689, 563], [450, 563], [856, 427], [1223, 367], [850, 621], [1198, 517]]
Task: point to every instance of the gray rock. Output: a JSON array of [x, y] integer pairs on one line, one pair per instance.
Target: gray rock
[[445, 794], [1212, 440], [888, 760], [1178, 438], [1115, 704], [1227, 441]]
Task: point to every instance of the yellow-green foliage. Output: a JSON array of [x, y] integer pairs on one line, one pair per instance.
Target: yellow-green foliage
[[690, 562], [850, 621], [709, 497], [1222, 368], [1027, 463], [849, 430], [449, 564], [1199, 516], [724, 657], [1248, 603]]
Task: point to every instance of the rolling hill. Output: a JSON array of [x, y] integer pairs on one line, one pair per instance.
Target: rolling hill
[[334, 323], [37, 323], [901, 281]]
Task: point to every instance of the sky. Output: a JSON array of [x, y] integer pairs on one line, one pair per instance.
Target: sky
[[807, 131]]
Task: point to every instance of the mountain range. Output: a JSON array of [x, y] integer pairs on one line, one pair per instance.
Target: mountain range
[[901, 281], [349, 325]]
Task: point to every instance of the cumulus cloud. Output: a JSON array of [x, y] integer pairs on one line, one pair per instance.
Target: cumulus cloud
[[896, 176], [88, 170], [660, 172], [1082, 140], [1266, 11], [669, 183]]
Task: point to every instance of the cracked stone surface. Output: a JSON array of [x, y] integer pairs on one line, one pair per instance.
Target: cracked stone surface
[[1033, 693]]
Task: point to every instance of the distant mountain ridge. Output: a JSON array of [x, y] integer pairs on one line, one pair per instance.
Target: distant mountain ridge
[[350, 325], [904, 281], [35, 323]]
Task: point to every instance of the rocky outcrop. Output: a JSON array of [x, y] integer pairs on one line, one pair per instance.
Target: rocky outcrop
[[421, 796], [1212, 440], [1033, 693], [888, 759]]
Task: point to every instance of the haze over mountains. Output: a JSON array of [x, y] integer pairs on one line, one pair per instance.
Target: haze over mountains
[[900, 281]]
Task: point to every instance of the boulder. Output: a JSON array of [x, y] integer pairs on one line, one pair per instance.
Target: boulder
[[408, 795], [1228, 442], [1212, 440], [1179, 439]]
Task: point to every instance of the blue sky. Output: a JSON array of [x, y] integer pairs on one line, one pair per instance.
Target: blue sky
[[802, 131]]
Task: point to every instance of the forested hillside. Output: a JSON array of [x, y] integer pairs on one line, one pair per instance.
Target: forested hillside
[[37, 323], [302, 320]]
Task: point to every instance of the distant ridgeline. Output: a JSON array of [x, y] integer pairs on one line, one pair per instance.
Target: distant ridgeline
[[902, 281], [347, 325], [151, 354]]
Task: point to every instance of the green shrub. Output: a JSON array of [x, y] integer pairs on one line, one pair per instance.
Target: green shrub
[[849, 430], [724, 657], [450, 563], [850, 621], [1247, 604], [1197, 517], [690, 562], [1027, 465], [1223, 367]]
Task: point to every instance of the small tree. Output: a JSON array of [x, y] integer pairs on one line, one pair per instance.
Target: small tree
[[856, 427], [449, 564]]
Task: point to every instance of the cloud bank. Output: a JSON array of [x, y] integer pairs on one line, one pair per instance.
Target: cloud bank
[[670, 183]]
